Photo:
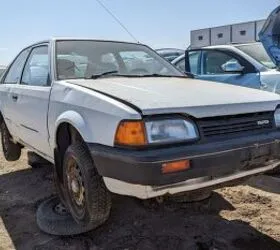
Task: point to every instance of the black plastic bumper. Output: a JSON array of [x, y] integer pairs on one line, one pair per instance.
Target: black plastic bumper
[[214, 159]]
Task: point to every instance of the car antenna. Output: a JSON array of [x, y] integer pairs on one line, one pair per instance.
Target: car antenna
[[117, 20]]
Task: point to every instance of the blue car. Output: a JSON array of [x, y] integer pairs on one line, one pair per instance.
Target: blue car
[[253, 65]]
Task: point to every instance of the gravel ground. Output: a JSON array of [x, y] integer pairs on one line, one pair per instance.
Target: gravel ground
[[241, 217]]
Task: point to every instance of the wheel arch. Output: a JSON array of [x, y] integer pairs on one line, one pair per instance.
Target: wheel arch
[[73, 119], [69, 127]]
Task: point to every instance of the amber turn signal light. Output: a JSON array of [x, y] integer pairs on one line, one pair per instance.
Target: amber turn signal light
[[175, 166], [131, 133]]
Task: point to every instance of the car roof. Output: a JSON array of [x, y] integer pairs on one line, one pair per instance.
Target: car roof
[[228, 45], [80, 39]]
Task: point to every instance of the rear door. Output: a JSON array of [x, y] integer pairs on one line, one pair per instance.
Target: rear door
[[270, 36], [209, 66], [33, 99]]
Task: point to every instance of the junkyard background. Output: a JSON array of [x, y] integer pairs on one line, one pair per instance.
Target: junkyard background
[[241, 217]]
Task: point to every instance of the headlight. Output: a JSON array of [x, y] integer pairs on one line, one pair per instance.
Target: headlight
[[140, 133], [277, 117], [170, 130]]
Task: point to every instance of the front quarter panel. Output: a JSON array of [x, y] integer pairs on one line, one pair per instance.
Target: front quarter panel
[[94, 115]]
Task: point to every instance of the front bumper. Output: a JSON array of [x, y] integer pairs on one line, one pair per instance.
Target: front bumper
[[214, 160], [201, 184]]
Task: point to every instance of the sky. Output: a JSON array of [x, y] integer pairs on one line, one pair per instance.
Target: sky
[[158, 23]]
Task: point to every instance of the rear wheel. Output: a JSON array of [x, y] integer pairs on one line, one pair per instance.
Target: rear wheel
[[11, 150], [86, 195]]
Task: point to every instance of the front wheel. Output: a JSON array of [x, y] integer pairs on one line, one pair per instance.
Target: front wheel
[[86, 195], [11, 150]]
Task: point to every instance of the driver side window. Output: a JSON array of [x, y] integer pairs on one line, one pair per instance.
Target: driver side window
[[214, 60]]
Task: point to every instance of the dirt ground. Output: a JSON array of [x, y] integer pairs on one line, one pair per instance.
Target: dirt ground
[[242, 217]]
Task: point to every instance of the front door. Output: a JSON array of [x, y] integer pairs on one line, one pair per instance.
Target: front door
[[33, 100], [210, 65], [8, 99]]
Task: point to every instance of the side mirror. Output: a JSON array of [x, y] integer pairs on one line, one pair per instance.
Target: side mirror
[[232, 67]]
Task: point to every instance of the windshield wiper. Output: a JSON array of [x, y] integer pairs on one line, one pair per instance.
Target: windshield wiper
[[114, 73], [161, 75], [102, 74]]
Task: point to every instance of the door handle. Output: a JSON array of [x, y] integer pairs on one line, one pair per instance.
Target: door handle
[[15, 97]]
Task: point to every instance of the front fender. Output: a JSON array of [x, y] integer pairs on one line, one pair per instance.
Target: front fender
[[74, 119]]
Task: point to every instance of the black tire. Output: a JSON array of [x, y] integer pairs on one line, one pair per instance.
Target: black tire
[[50, 221], [93, 195], [59, 187], [35, 161], [11, 151]]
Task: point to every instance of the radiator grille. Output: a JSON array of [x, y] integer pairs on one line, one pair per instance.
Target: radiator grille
[[234, 125]]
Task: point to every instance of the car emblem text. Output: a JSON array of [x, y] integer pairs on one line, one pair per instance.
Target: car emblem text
[[263, 122]]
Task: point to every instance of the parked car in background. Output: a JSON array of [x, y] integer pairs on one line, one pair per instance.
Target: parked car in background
[[253, 65], [170, 53], [107, 127], [246, 65]]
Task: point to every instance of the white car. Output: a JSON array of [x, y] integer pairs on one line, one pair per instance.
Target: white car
[[107, 129]]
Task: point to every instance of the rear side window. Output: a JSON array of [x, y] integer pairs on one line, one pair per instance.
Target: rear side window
[[15, 70]]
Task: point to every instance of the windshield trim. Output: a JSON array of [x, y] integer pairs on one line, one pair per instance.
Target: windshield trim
[[55, 68]]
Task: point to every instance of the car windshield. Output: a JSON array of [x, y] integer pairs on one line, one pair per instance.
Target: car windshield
[[257, 52], [88, 59]]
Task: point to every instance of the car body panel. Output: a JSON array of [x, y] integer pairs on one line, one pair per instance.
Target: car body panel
[[251, 80], [183, 95], [31, 114], [8, 106], [94, 115]]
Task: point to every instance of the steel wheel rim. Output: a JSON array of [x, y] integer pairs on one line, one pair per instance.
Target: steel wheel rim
[[76, 189]]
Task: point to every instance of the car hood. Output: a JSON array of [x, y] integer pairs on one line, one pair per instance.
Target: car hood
[[270, 34], [157, 95]]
